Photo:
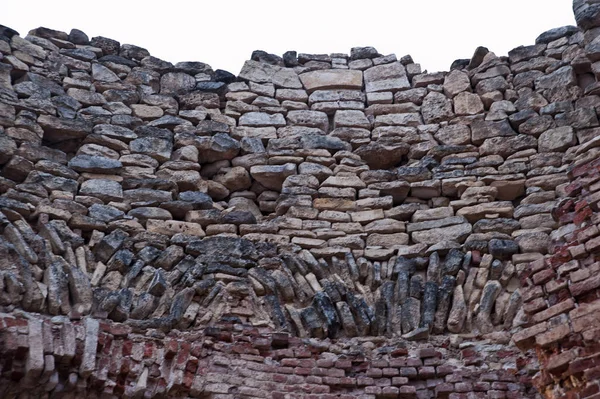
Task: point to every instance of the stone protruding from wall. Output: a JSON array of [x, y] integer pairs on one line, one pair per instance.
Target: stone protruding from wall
[[330, 197]]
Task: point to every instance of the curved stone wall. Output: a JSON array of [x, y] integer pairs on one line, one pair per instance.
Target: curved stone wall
[[339, 205]]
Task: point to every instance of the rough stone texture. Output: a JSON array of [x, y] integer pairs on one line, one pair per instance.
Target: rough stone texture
[[320, 226]]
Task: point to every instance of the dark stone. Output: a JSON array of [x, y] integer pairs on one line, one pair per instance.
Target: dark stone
[[556, 33], [324, 142], [180, 303], [211, 87], [204, 286], [496, 269], [402, 286], [193, 68], [312, 322], [224, 76], [363, 314], [434, 270], [378, 327], [444, 299], [226, 269], [357, 53], [477, 58], [121, 311], [416, 286], [143, 306], [120, 261], [294, 264], [588, 17], [80, 54], [198, 199], [133, 52], [460, 64], [109, 245], [290, 59], [323, 304], [429, 304], [149, 253], [331, 290], [453, 261], [263, 277], [503, 249], [133, 272], [108, 46], [223, 247], [78, 37], [95, 164], [7, 32], [238, 218], [410, 315], [381, 154], [264, 57], [352, 266], [105, 213], [117, 59]]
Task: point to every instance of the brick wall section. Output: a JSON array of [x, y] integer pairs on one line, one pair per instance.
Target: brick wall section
[[91, 358], [562, 295]]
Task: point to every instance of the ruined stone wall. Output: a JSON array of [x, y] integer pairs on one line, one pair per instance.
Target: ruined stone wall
[[318, 226]]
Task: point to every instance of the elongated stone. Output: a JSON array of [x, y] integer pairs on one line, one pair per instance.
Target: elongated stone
[[458, 312], [491, 290], [444, 302], [411, 315], [429, 304]]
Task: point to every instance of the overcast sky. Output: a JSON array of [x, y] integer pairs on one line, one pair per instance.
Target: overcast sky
[[224, 33]]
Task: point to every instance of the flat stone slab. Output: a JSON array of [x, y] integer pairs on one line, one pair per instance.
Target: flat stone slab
[[332, 79]]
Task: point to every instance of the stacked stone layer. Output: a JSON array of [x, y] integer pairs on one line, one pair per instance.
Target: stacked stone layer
[[325, 196]]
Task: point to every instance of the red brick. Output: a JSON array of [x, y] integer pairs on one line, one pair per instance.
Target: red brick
[[363, 381], [561, 307], [399, 381], [379, 363], [375, 373], [592, 374], [392, 392], [558, 363], [593, 245], [525, 338], [553, 335], [289, 362], [542, 277], [426, 372], [444, 388], [590, 389], [390, 372], [343, 364], [580, 365], [535, 305], [585, 286], [325, 363]]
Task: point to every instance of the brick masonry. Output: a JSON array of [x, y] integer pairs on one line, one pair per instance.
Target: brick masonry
[[105, 359], [565, 322]]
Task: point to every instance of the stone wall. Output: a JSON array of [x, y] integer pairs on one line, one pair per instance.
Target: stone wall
[[342, 205]]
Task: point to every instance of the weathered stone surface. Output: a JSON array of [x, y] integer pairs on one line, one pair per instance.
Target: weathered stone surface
[[59, 129], [382, 155], [436, 108], [106, 190], [272, 176], [558, 139], [332, 79]]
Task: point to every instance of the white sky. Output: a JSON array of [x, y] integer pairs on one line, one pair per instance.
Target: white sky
[[224, 33]]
